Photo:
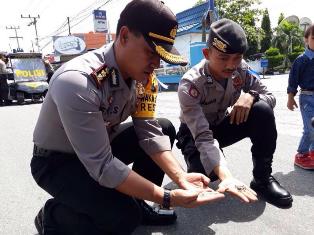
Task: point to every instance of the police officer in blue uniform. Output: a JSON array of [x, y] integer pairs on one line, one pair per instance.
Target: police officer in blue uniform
[[82, 151], [223, 102]]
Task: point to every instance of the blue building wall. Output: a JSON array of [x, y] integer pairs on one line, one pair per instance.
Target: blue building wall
[[196, 54]]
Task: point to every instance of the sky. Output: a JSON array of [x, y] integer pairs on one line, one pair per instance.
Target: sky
[[53, 14]]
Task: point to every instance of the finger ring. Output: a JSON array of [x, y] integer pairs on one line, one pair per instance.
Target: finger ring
[[240, 188]]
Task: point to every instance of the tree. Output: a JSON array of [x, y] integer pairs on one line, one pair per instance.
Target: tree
[[287, 36], [280, 18], [245, 13], [199, 2], [266, 40]]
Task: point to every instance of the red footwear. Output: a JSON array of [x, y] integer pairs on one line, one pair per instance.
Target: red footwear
[[305, 161]]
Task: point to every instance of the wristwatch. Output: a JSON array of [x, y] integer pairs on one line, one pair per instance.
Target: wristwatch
[[166, 199], [255, 94]]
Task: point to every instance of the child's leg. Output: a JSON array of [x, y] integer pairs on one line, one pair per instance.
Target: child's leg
[[307, 112], [305, 156]]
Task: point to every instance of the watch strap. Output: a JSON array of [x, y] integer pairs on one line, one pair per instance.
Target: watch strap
[[166, 199]]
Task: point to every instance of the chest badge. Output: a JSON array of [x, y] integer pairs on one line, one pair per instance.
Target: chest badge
[[114, 78]]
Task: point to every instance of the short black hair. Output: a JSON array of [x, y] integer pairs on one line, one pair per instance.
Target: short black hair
[[131, 27], [309, 31]]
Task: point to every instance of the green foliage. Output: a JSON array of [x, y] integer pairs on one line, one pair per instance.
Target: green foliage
[[292, 56], [287, 35], [245, 13], [199, 2], [275, 59], [266, 27], [298, 50], [272, 52], [280, 18]]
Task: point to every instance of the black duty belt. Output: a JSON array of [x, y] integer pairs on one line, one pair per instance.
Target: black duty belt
[[41, 152]]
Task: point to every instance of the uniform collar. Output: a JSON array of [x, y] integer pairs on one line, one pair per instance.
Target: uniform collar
[[204, 71], [309, 53], [110, 60]]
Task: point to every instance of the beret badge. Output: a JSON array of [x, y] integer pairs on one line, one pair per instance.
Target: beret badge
[[219, 45]]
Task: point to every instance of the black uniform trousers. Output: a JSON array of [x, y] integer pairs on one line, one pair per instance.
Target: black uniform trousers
[[4, 89], [260, 127], [79, 204]]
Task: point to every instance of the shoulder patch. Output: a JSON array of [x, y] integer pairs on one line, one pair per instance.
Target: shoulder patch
[[193, 92], [237, 81], [100, 74]]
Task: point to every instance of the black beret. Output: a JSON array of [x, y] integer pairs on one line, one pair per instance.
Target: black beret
[[227, 36], [158, 25]]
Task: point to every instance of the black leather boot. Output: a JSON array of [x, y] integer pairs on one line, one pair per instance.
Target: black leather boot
[[272, 192], [157, 215], [39, 222], [42, 225]]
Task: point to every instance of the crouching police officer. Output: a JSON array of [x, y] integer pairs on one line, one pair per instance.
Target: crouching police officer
[[4, 72], [221, 81], [81, 152]]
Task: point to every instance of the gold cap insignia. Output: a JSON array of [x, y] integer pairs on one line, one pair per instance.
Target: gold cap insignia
[[173, 32], [219, 45]]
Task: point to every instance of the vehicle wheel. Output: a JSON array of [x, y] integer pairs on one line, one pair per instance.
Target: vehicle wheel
[[7, 102], [20, 97]]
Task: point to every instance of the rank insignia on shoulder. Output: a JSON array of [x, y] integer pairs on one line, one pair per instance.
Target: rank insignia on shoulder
[[100, 74]]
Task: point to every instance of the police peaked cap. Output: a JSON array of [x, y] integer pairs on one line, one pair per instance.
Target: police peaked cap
[[227, 36], [157, 24]]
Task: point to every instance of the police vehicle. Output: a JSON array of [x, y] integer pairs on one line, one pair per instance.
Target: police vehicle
[[28, 79]]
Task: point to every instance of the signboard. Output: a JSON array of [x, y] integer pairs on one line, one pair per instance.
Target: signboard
[[264, 63], [29, 69], [68, 45], [100, 21]]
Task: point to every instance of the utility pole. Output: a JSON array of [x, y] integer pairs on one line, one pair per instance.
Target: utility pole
[[16, 37], [33, 22], [68, 18]]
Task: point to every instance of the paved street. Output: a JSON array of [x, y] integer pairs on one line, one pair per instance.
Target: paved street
[[21, 198]]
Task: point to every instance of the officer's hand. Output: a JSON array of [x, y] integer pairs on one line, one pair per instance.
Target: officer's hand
[[193, 181], [237, 189], [241, 109], [192, 198], [291, 104]]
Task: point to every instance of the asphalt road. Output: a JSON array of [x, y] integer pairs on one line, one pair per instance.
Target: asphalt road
[[21, 198]]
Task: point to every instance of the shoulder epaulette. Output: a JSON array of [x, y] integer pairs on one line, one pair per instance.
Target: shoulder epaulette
[[100, 74]]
